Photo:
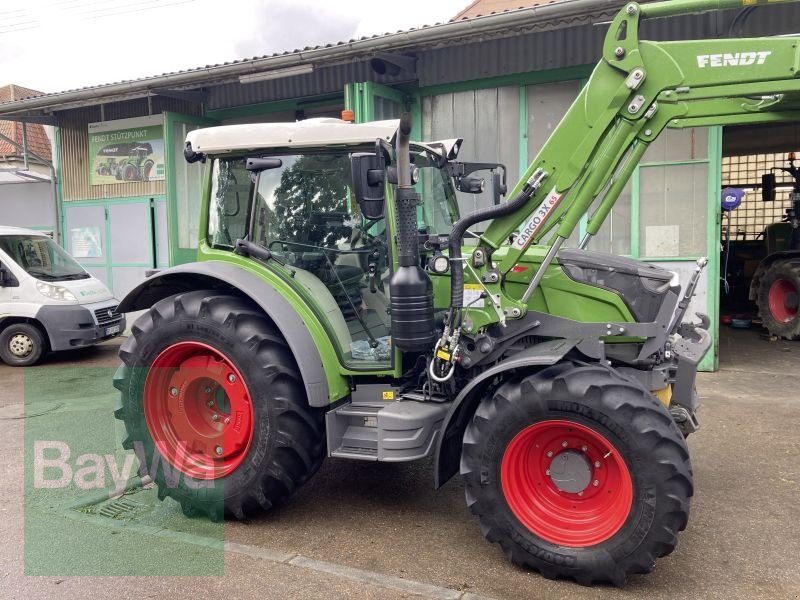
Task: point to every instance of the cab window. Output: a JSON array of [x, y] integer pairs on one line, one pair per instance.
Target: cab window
[[305, 215], [231, 189]]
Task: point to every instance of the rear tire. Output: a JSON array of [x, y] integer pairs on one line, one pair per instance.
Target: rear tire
[[21, 345], [130, 173], [778, 298], [147, 170], [565, 525], [273, 440]]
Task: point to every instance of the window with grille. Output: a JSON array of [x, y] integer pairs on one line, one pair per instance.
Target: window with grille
[[753, 215]]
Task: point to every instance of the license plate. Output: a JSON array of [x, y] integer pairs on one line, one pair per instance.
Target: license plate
[[112, 330]]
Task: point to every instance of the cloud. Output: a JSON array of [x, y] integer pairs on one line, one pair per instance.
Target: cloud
[[281, 25], [65, 49]]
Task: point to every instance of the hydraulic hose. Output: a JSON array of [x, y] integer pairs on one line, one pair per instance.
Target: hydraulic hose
[[460, 228]]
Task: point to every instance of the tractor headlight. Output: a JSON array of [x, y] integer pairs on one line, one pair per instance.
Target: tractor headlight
[[55, 292], [439, 264]]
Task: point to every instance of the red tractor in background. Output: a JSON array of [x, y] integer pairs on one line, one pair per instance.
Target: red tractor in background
[[776, 283]]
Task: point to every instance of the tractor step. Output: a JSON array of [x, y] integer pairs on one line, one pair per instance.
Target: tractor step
[[397, 431]]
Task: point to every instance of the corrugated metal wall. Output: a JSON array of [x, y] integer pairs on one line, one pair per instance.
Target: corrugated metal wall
[[75, 147], [504, 53], [324, 80], [583, 44]]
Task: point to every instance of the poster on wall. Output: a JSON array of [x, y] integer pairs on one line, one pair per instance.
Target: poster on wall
[[126, 151], [86, 242]]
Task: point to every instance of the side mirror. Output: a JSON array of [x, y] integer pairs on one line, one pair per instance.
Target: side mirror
[[499, 187], [768, 187], [369, 171]]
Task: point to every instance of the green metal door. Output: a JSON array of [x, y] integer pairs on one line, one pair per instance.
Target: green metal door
[[184, 187]]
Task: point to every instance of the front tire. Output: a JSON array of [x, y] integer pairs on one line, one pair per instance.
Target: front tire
[[214, 405], [21, 345], [779, 299], [578, 473]]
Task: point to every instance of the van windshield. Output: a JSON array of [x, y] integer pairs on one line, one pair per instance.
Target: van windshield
[[42, 258]]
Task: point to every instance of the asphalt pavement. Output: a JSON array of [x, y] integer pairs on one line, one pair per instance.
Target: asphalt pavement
[[366, 530]]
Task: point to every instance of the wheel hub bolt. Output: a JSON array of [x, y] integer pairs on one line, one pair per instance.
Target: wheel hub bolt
[[550, 454], [231, 378], [227, 420], [595, 483], [208, 390], [210, 403], [215, 417], [597, 464], [173, 391], [218, 450], [580, 493], [584, 448], [547, 472], [564, 444]]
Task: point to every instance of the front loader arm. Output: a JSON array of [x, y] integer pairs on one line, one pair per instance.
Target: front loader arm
[[638, 89]]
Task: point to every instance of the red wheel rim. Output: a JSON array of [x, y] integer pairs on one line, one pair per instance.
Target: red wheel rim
[[577, 519], [783, 300], [198, 410]]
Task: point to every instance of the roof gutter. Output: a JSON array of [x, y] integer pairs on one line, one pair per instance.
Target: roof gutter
[[526, 17]]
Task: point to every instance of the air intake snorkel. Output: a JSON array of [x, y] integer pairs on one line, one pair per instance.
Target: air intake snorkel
[[410, 287]]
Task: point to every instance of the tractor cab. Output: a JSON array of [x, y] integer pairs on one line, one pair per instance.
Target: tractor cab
[[286, 192]]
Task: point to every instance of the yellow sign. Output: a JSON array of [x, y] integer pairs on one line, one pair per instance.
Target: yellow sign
[[443, 355], [388, 395]]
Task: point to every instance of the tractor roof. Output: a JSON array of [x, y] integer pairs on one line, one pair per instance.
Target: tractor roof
[[302, 134], [8, 230]]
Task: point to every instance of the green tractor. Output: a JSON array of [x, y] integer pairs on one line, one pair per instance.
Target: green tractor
[[776, 283], [341, 307], [137, 165]]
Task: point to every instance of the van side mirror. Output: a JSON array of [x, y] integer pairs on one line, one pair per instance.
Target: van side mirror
[[369, 172], [768, 187]]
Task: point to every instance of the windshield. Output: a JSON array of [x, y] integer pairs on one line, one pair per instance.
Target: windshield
[[438, 212], [42, 258]]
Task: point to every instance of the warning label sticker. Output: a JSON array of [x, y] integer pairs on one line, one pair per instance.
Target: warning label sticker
[[472, 295]]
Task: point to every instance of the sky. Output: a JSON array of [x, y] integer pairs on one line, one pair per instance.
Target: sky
[[57, 45]]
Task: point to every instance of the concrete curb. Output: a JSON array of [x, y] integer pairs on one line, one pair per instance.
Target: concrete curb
[[408, 586]]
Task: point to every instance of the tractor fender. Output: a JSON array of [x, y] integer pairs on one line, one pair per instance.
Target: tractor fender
[[448, 448], [220, 275], [766, 264]]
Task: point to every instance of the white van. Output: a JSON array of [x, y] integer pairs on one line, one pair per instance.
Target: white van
[[48, 301]]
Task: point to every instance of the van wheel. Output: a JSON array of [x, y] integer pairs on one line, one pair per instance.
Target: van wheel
[[21, 345]]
